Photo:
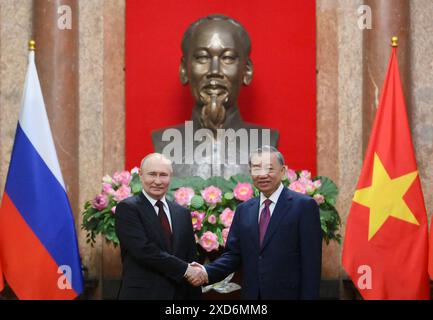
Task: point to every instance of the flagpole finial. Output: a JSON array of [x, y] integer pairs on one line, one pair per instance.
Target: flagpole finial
[[394, 41], [32, 45]]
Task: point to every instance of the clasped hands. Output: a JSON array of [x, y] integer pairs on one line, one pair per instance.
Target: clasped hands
[[196, 274]]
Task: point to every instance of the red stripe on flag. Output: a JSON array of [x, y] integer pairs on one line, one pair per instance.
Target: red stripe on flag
[[28, 267]]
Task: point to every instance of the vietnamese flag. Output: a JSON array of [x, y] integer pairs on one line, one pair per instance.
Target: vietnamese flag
[[1, 278], [430, 264], [386, 243]]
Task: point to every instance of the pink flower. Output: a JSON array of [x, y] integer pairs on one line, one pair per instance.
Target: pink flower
[[107, 188], [100, 202], [212, 195], [183, 196], [226, 217], [319, 198], [113, 210], [209, 241], [197, 219], [212, 219], [297, 186], [308, 185], [135, 170], [305, 174], [225, 234], [243, 191], [317, 184], [122, 193], [122, 178], [291, 175]]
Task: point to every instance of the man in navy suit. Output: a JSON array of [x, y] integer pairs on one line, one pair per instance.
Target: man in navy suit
[[156, 239], [276, 238]]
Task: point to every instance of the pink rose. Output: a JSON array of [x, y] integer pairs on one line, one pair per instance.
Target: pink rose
[[225, 234], [319, 198], [243, 191], [209, 241], [107, 188], [305, 174], [212, 195], [122, 178], [100, 202], [226, 217], [291, 175], [297, 186], [197, 219], [122, 193], [113, 210], [317, 184], [183, 196], [212, 219]]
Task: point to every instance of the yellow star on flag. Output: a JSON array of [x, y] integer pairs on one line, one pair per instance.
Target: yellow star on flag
[[385, 197]]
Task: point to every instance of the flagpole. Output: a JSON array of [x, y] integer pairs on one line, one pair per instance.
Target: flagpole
[[394, 41]]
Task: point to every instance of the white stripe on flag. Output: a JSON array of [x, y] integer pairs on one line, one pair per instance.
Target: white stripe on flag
[[34, 121]]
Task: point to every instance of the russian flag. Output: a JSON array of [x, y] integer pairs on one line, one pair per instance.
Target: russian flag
[[38, 244]]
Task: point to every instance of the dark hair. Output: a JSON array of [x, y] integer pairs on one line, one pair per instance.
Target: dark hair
[[245, 38]]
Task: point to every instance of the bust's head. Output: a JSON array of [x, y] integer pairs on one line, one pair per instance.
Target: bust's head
[[216, 64]]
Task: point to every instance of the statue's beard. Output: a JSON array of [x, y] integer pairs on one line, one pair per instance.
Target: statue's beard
[[213, 112]]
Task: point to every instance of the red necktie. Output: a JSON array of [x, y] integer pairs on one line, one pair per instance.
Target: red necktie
[[164, 223], [265, 216]]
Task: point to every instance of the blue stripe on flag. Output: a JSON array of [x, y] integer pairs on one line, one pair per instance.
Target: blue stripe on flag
[[44, 205]]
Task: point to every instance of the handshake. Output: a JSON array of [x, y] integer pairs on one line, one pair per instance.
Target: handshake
[[196, 274]]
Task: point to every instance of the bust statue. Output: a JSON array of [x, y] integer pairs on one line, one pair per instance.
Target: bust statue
[[216, 142]]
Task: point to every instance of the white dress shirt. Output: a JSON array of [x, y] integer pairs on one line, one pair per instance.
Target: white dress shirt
[[165, 205], [274, 198]]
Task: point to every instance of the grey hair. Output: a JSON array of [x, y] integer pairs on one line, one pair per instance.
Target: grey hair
[[245, 38], [265, 149], [154, 155]]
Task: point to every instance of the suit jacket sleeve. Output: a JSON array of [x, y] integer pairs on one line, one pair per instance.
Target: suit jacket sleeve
[[133, 238], [230, 260], [311, 250]]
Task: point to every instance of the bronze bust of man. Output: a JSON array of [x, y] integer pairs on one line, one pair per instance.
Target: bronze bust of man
[[216, 142]]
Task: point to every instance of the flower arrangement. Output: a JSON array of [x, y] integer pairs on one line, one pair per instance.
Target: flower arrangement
[[98, 215], [212, 203]]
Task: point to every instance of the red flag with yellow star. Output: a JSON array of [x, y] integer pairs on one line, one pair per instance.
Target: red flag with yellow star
[[1, 278], [430, 264], [385, 248]]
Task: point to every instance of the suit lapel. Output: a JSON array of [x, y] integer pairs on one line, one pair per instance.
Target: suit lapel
[[282, 206], [253, 221], [149, 214]]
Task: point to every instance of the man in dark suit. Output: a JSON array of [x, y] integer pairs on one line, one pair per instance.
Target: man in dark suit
[[276, 237], [156, 239]]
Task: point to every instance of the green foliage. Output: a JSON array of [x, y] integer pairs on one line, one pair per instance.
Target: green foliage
[[97, 222]]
